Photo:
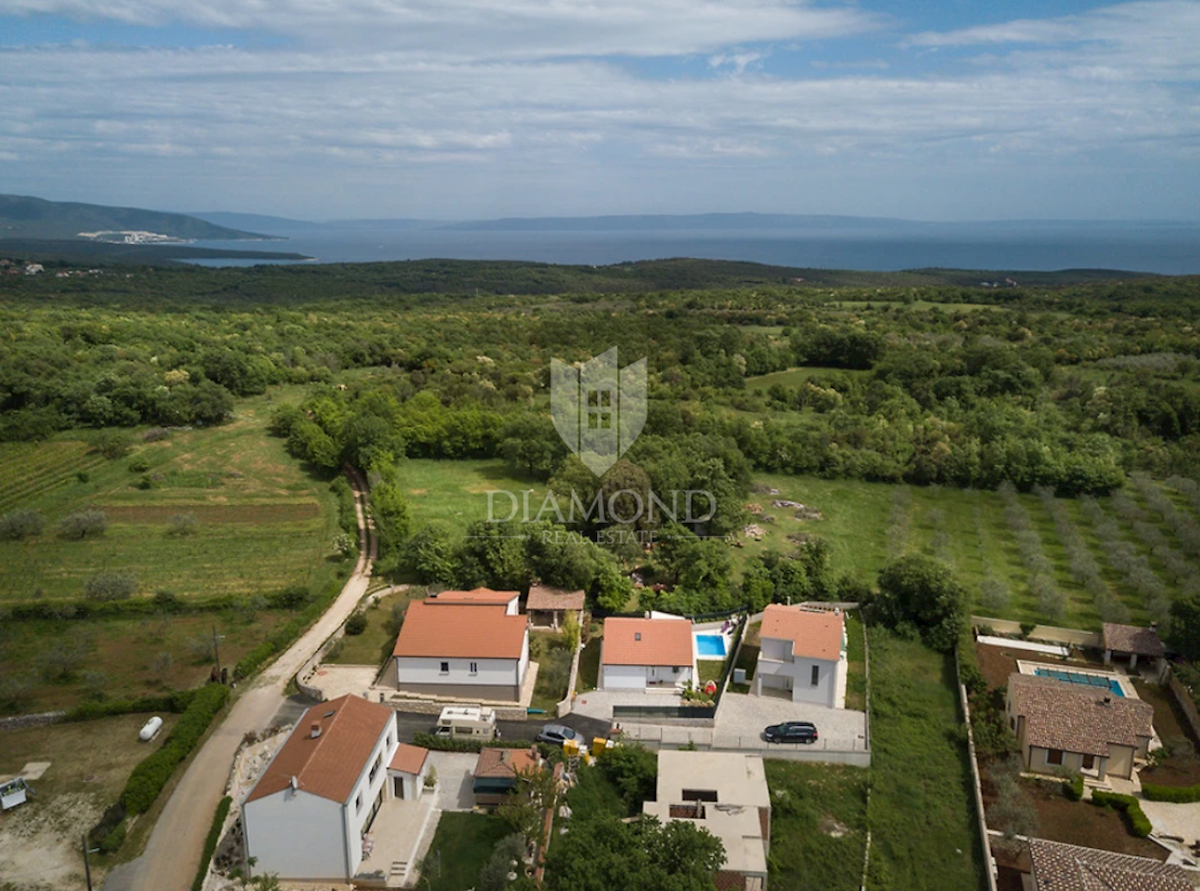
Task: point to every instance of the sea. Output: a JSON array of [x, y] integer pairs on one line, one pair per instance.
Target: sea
[[1167, 249]]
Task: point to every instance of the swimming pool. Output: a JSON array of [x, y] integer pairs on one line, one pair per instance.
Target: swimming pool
[[1075, 677], [712, 645]]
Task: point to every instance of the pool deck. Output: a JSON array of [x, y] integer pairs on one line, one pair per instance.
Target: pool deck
[[1122, 680]]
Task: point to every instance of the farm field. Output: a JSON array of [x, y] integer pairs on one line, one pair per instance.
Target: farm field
[[258, 522], [971, 530], [89, 764]]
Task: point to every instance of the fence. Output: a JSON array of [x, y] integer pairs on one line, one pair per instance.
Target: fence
[[1050, 633], [977, 785], [680, 712]]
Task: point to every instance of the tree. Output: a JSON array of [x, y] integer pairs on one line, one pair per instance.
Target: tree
[[633, 769], [81, 524], [1185, 625], [602, 853], [389, 510], [921, 591], [21, 524], [429, 555], [531, 445], [110, 586], [524, 809], [113, 444]]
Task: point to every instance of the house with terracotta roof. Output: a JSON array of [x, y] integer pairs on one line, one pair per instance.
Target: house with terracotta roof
[[640, 654], [498, 771], [1077, 727], [474, 651], [802, 656], [725, 793], [308, 815], [407, 770], [548, 606], [510, 600], [1062, 867], [1129, 642]]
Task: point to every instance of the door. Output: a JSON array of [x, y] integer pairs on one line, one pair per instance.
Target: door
[[399, 787]]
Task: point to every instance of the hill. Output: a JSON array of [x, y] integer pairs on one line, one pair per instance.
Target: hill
[[24, 217]]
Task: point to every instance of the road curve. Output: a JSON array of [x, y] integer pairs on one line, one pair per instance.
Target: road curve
[[176, 844]]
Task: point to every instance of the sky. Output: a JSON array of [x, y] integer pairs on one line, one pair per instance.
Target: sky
[[473, 109]]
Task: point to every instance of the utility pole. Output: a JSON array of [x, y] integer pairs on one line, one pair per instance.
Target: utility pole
[[217, 638], [87, 866]]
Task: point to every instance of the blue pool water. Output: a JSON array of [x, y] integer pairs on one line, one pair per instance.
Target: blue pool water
[[1074, 677], [710, 645]]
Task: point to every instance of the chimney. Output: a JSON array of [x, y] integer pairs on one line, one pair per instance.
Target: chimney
[[316, 730]]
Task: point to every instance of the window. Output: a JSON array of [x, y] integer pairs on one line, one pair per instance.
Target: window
[[1012, 723], [816, 675], [699, 795], [358, 802], [375, 767], [1089, 761], [1054, 756], [445, 668], [474, 668]]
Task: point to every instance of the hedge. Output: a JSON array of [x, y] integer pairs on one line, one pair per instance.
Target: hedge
[[154, 772], [445, 744], [1073, 789], [283, 636], [173, 702], [1177, 794], [210, 842], [1139, 823]]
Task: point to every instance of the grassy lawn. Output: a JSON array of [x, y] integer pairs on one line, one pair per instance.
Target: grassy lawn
[[455, 492], [794, 377], [748, 657], [923, 833], [709, 670], [262, 522], [818, 826], [376, 643], [89, 764], [856, 663], [589, 666], [554, 669], [461, 845]]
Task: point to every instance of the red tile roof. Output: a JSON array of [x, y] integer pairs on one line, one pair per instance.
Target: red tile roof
[[553, 598], [504, 763], [460, 632], [814, 634], [1062, 867], [647, 642], [1132, 639], [331, 764], [1077, 717], [408, 758], [476, 596]]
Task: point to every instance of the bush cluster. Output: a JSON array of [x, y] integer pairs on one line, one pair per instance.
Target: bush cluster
[[1176, 794], [149, 777], [89, 711], [210, 842], [21, 524], [1073, 788], [444, 744], [1139, 823]]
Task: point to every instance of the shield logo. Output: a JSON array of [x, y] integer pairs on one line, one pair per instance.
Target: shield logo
[[598, 409]]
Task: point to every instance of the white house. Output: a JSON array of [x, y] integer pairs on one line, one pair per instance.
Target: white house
[[802, 655], [308, 813], [725, 793], [462, 651], [636, 654], [510, 600]]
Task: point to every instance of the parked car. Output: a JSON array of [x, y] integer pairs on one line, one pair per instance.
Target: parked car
[[557, 734], [791, 732]]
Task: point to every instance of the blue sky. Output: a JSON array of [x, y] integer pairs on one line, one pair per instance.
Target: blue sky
[[453, 109]]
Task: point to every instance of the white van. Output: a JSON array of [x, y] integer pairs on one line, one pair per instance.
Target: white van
[[464, 722]]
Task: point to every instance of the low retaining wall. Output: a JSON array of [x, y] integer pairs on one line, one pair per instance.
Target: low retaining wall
[[427, 707], [1051, 633], [976, 784], [20, 722]]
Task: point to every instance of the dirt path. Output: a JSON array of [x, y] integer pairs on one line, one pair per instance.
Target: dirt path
[[173, 852]]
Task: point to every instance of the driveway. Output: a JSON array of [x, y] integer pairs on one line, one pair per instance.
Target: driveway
[[741, 719], [173, 852], [455, 774]]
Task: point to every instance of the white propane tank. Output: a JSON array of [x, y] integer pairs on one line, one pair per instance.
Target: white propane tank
[[151, 728]]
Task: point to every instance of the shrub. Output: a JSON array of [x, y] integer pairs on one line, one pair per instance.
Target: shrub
[[81, 524], [21, 524], [1073, 788], [444, 744], [356, 624], [1177, 794], [210, 842], [110, 586], [114, 839], [139, 465], [168, 602], [182, 524], [1139, 823], [113, 444], [293, 597]]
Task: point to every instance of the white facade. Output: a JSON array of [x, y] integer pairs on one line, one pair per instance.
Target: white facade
[[459, 672], [639, 677], [804, 678], [298, 835], [408, 786]]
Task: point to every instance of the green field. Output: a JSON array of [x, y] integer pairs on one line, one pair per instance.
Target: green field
[[461, 845], [923, 835], [261, 522], [794, 377], [455, 492], [818, 826]]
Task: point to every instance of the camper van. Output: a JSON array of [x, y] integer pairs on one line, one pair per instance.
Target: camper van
[[466, 723]]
